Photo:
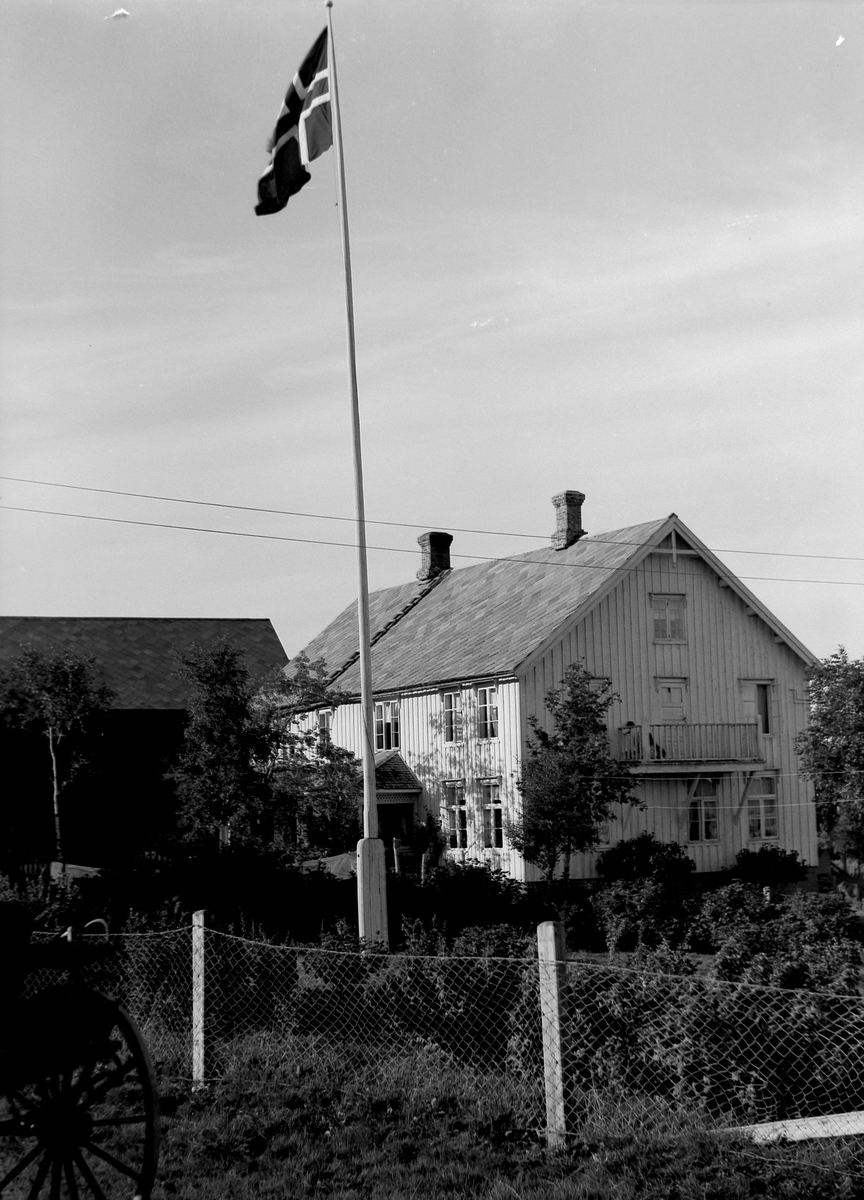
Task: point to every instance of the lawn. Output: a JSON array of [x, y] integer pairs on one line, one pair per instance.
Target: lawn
[[341, 1133]]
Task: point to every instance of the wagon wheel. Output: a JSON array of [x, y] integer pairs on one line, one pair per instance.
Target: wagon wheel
[[80, 1117]]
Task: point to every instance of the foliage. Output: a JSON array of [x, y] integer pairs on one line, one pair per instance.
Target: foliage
[[809, 942], [570, 780], [252, 771], [832, 748], [349, 1132], [228, 742], [642, 913], [61, 696], [769, 866], [643, 857], [646, 900]]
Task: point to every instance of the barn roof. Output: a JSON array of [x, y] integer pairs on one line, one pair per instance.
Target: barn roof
[[138, 654], [479, 620]]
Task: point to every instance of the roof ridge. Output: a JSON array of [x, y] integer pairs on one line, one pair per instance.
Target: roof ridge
[[386, 628]]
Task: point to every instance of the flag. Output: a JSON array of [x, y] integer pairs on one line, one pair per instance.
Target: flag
[[303, 131]]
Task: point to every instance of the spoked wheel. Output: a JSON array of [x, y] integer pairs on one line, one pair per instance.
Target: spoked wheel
[[79, 1118]]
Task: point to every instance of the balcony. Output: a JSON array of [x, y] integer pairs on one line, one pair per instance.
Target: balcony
[[682, 743]]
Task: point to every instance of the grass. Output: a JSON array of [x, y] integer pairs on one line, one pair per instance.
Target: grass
[[284, 1124]]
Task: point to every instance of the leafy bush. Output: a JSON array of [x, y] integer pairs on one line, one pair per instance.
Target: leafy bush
[[809, 942], [643, 857], [769, 866], [646, 901]]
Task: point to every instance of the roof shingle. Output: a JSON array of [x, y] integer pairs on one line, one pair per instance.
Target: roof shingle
[[478, 620], [138, 654]]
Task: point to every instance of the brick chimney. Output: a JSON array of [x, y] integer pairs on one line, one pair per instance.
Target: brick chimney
[[435, 551], [568, 519]]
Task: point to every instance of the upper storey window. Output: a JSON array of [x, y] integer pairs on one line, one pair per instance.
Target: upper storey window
[[669, 622], [487, 712], [387, 725], [452, 716]]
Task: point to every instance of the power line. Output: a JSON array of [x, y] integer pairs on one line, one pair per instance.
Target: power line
[[284, 512], [276, 537]]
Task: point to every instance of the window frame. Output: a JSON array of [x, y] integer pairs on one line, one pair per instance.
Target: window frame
[[452, 719], [487, 725], [765, 813], [662, 599], [387, 728], [492, 807], [455, 802], [703, 810]]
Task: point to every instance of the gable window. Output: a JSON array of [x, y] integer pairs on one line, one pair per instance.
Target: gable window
[[493, 814], [487, 712], [668, 613], [702, 824], [452, 716], [457, 814], [762, 823], [387, 725]]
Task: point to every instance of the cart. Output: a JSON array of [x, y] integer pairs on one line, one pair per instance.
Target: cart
[[78, 1103]]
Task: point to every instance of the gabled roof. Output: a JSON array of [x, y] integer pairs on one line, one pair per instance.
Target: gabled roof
[[392, 773], [490, 619], [138, 654], [479, 620]]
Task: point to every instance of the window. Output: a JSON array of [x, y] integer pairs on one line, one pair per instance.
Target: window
[[452, 716], [762, 821], [487, 712], [457, 814], [324, 723], [702, 813], [757, 704], [493, 816], [668, 618], [387, 725]]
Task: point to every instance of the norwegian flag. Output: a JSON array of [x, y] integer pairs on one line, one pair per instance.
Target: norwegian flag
[[303, 131]]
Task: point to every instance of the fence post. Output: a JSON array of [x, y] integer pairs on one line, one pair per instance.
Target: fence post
[[198, 997], [552, 959]]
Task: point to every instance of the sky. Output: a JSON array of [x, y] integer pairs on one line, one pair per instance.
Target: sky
[[612, 247]]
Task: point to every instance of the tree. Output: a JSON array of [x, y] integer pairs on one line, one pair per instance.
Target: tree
[[227, 745], [252, 770], [62, 697], [570, 780], [831, 748]]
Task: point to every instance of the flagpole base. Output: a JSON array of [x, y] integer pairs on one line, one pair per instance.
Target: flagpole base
[[372, 892]]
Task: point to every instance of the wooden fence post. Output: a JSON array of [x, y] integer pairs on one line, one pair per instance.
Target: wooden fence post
[[198, 997], [552, 960]]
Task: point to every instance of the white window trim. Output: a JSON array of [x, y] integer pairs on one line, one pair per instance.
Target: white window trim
[[458, 715], [491, 807], [668, 641], [482, 735]]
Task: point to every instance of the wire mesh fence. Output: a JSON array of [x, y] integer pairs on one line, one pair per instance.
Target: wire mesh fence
[[632, 1047]]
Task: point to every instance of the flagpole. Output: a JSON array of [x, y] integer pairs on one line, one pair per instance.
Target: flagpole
[[371, 870]]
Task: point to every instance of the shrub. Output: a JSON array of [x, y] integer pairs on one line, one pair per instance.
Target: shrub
[[805, 941], [646, 901], [643, 857], [769, 866]]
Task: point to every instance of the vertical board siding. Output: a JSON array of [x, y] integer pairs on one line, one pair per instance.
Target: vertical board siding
[[723, 647], [435, 762]]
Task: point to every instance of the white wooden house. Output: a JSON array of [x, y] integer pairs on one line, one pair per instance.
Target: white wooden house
[[711, 686]]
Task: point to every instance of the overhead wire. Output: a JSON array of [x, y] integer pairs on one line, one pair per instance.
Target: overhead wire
[[284, 512], [277, 537]]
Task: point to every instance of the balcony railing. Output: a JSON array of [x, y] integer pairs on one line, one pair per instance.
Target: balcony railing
[[684, 743]]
